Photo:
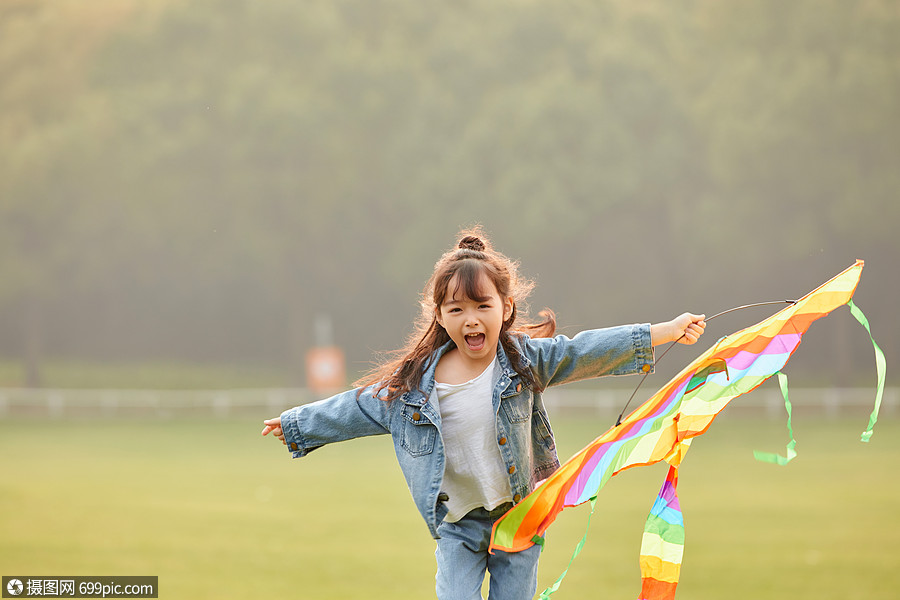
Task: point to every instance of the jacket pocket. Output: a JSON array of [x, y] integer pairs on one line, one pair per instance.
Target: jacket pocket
[[517, 404], [417, 433], [541, 432]]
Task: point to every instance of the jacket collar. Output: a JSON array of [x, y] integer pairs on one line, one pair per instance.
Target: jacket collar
[[420, 396]]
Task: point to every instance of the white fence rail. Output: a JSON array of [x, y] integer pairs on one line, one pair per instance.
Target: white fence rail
[[57, 404]]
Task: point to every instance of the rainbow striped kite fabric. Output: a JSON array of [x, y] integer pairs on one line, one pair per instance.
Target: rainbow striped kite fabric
[[662, 429], [663, 544]]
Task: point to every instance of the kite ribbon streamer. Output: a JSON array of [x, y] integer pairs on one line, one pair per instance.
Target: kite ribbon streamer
[[880, 365], [549, 591], [790, 452], [663, 426]]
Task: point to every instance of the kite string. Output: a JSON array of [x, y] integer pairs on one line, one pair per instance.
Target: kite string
[[666, 351]]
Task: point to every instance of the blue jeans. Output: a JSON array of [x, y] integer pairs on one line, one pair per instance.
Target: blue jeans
[[462, 559]]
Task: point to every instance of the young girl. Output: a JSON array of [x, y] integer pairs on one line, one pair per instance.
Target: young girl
[[463, 406]]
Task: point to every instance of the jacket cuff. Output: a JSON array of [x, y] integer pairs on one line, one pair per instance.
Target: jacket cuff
[[292, 435], [644, 357]]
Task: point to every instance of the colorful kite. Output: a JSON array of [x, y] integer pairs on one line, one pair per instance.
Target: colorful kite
[[662, 429]]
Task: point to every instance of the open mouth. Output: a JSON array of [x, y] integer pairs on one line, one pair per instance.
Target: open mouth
[[475, 341]]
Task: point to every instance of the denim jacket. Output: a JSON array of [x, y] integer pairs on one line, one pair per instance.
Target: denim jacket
[[523, 429]]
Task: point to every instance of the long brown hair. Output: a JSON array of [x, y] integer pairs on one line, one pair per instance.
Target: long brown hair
[[472, 257]]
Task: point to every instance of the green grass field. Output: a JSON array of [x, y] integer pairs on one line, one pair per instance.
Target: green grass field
[[215, 511]]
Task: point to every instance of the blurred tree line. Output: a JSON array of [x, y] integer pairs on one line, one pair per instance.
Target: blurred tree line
[[199, 180]]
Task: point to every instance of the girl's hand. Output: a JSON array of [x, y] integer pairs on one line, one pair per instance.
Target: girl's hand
[[273, 426], [684, 329]]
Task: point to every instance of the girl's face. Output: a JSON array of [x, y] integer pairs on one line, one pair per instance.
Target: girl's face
[[474, 324]]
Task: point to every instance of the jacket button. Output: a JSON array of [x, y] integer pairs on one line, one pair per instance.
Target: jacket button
[[502, 441], [512, 469], [517, 498], [646, 368], [416, 416], [518, 388], [294, 446]]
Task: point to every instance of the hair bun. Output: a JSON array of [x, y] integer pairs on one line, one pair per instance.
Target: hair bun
[[471, 242]]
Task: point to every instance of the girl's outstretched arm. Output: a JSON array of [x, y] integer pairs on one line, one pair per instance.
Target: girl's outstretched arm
[[273, 426], [685, 329], [346, 416]]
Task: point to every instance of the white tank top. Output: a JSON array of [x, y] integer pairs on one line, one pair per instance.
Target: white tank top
[[474, 475]]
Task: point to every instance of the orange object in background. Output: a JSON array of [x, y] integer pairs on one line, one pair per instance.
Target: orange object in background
[[326, 370]]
